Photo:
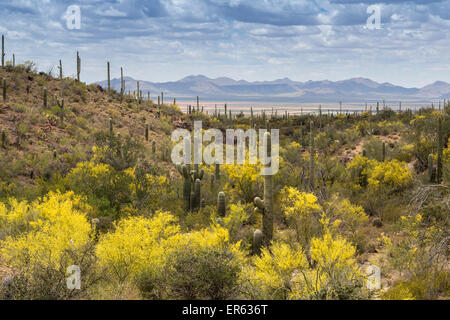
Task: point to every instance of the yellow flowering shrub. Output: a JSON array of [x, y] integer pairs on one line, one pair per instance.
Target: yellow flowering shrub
[[139, 244], [135, 243], [351, 216], [59, 226], [243, 179], [358, 170], [392, 176], [271, 273], [336, 274], [303, 211]]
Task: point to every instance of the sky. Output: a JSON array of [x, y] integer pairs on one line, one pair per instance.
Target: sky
[[255, 40]]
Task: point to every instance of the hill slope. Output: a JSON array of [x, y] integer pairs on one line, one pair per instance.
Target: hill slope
[[34, 132]]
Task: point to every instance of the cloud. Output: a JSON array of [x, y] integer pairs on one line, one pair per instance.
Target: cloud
[[163, 40]]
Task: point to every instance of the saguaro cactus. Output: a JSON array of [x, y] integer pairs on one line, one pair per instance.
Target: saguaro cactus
[[383, 156], [153, 146], [122, 87], [45, 97], [187, 182], [197, 192], [257, 242], [3, 51], [109, 77], [146, 132], [162, 97], [138, 92], [312, 157], [221, 204], [439, 152], [266, 206], [217, 172], [198, 103], [60, 70], [78, 66]]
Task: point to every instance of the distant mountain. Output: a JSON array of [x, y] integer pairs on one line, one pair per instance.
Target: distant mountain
[[223, 88]]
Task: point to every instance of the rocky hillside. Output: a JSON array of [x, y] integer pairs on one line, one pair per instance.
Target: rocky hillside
[[51, 123]]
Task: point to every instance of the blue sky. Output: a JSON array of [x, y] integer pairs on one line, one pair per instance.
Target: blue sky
[[163, 40]]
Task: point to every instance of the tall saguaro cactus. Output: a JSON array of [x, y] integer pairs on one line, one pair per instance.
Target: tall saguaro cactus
[[384, 152], [266, 206], [257, 242], [187, 184], [3, 51], [439, 152], [122, 87], [78, 66], [45, 97], [60, 70], [109, 77], [146, 132], [162, 97], [312, 156], [138, 92], [221, 204], [217, 172]]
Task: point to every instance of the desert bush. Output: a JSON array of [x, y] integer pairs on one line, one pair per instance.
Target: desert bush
[[303, 212], [60, 236]]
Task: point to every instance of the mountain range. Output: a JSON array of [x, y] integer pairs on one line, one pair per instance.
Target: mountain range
[[283, 90]]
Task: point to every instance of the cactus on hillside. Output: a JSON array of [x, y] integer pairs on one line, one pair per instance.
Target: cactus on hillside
[[146, 131], [187, 183], [109, 77], [60, 70], [383, 156], [78, 66], [257, 242], [197, 192], [312, 157], [221, 204], [217, 172], [122, 86], [153, 146], [3, 51], [162, 97], [138, 92], [266, 206], [45, 97], [440, 149]]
